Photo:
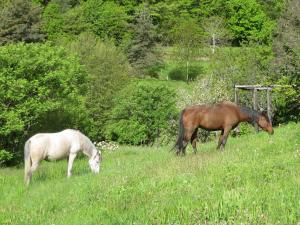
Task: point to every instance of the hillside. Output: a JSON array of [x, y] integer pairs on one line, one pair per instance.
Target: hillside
[[256, 180]]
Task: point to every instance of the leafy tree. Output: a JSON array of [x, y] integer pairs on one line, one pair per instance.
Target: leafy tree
[[141, 50], [248, 22], [109, 70], [272, 8], [142, 112], [63, 20], [20, 21], [165, 16], [129, 5], [215, 31], [106, 18], [52, 20], [187, 36], [41, 89], [287, 64], [244, 65], [209, 8]]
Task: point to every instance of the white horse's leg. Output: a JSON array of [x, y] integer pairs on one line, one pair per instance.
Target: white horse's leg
[[72, 156], [33, 168], [28, 177]]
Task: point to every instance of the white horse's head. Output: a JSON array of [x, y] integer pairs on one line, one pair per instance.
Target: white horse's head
[[95, 161]]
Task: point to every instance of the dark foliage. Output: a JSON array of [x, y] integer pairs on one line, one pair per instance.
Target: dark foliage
[[20, 20], [141, 50]]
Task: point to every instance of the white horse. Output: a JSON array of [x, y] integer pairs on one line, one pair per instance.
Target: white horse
[[55, 146]]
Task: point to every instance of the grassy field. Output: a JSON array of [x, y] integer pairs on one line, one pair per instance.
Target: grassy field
[[256, 180]]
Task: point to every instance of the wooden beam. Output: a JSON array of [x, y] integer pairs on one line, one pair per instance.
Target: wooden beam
[[269, 105], [236, 96], [244, 87], [236, 100], [255, 105]]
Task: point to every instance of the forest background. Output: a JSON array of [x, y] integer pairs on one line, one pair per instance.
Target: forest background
[[122, 70]]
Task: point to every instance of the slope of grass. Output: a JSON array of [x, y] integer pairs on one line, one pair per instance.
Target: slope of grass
[[256, 180]]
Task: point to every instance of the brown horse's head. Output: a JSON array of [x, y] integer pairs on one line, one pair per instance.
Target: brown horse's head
[[265, 123]]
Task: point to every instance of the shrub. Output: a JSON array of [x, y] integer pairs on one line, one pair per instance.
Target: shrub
[[108, 69], [107, 146], [141, 113], [154, 71], [179, 73], [204, 91], [5, 157], [41, 89], [194, 72], [286, 98]]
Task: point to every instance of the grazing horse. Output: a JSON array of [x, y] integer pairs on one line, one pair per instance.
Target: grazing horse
[[55, 146], [223, 116]]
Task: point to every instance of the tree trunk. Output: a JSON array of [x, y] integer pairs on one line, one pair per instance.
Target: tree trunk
[[213, 43], [187, 71]]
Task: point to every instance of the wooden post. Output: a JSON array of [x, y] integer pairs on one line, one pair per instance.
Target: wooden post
[[187, 71], [236, 96], [214, 43], [236, 100], [269, 104], [255, 105]]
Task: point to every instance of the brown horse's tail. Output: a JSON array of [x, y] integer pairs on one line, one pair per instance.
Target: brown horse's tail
[[27, 162], [179, 142]]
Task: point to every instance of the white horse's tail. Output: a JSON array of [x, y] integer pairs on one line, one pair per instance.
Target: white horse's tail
[[27, 161]]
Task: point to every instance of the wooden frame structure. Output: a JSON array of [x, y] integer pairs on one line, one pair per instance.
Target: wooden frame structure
[[255, 89]]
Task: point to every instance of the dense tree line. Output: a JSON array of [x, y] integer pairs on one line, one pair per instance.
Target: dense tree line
[[79, 63]]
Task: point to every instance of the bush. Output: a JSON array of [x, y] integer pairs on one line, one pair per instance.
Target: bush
[[286, 98], [108, 69], [205, 91], [141, 114], [194, 72], [244, 128], [154, 71], [41, 89], [179, 73], [5, 157]]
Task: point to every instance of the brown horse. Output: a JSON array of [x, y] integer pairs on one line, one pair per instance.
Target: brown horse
[[223, 116]]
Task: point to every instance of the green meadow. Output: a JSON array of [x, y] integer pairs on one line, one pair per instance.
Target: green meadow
[[255, 180]]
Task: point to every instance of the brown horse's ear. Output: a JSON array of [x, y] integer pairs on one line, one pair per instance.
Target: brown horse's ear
[[265, 114]]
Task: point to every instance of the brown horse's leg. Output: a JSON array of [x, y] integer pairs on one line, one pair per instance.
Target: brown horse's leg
[[185, 143], [220, 139], [194, 140], [225, 136], [188, 136]]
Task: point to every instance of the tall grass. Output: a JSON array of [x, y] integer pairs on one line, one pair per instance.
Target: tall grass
[[256, 180]]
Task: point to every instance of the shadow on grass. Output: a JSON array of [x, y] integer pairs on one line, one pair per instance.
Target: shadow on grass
[[57, 170]]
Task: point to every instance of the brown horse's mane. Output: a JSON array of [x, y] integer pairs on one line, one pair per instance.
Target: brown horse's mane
[[253, 114]]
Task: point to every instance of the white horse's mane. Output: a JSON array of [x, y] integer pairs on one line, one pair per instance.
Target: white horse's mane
[[86, 144]]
